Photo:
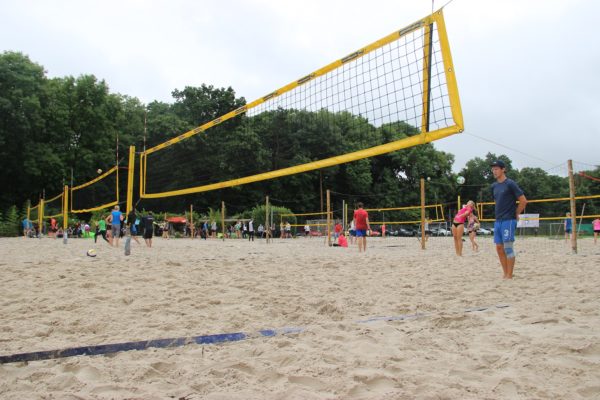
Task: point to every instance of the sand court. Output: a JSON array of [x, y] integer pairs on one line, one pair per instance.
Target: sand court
[[391, 323]]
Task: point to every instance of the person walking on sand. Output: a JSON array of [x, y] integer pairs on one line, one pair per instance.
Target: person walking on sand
[[148, 223], [458, 226], [132, 221], [361, 222], [115, 220], [101, 230], [251, 230], [506, 193], [568, 227], [472, 227], [596, 226]]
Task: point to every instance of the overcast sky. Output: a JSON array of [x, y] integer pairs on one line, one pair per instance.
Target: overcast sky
[[528, 70]]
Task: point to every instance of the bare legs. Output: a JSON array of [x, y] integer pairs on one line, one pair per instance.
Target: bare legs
[[457, 233], [508, 264], [474, 245], [362, 243]]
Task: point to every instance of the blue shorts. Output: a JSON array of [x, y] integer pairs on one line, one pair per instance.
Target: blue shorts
[[568, 230], [361, 233], [504, 231]]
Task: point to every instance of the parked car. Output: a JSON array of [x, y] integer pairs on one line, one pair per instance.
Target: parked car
[[441, 232], [483, 231], [405, 232]]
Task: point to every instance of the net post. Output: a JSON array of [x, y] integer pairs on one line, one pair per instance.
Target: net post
[[223, 219], [449, 69], [422, 214], [328, 218], [192, 220], [343, 215], [142, 171], [130, 175], [573, 208], [66, 208], [41, 217], [427, 50], [267, 223]]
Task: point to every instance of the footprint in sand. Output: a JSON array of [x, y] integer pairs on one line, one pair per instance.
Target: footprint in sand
[[307, 381]]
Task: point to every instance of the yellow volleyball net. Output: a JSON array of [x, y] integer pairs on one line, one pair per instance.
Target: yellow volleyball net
[[403, 83], [54, 206], [407, 215], [96, 194], [538, 207]]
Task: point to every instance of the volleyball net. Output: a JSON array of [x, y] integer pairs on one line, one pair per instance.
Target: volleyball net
[[545, 209], [96, 194], [54, 207], [33, 213], [403, 83], [408, 215]]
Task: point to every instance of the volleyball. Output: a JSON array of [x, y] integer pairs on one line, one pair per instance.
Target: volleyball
[[460, 180], [91, 253], [99, 171]]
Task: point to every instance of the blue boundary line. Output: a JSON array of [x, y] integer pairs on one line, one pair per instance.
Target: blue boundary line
[[142, 345], [183, 341]]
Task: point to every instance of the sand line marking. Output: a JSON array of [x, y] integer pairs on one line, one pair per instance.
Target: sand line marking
[[203, 339]]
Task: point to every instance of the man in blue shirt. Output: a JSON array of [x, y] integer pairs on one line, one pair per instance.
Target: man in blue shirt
[[568, 227], [115, 220], [506, 193], [26, 227]]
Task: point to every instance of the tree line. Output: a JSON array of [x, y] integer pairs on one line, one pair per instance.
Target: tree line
[[57, 131]]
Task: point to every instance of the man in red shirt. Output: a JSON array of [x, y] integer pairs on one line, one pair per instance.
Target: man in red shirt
[[361, 221], [337, 230]]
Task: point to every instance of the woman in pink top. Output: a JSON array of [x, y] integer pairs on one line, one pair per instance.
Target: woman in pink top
[[596, 225], [458, 226]]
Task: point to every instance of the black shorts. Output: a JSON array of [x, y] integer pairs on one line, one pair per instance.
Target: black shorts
[[457, 224], [596, 230], [147, 234]]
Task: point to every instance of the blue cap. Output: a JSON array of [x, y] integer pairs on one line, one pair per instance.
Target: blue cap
[[498, 163]]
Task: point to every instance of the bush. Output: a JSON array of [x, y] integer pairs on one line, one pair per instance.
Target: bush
[[10, 224]]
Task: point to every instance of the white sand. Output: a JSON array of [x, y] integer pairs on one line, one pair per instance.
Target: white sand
[[546, 344]]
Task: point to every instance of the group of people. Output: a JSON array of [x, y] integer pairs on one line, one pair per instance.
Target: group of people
[[114, 225], [510, 201]]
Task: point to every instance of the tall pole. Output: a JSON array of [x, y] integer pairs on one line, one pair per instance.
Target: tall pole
[[65, 208], [321, 187], [328, 219], [117, 164], [145, 114], [223, 219], [573, 208], [267, 223], [343, 215], [422, 214], [192, 220], [41, 217], [130, 175]]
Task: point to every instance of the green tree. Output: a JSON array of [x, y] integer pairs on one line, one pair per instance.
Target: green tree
[[9, 226], [21, 121]]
